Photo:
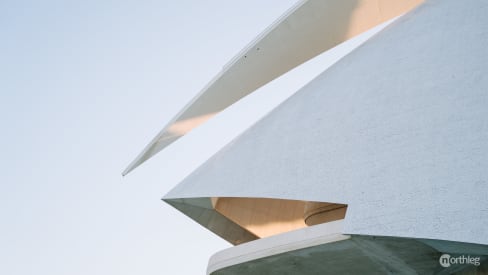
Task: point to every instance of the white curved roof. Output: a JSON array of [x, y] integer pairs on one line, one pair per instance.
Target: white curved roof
[[397, 130], [308, 29]]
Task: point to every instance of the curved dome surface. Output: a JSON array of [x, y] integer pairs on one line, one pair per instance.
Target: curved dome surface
[[306, 30], [397, 130]]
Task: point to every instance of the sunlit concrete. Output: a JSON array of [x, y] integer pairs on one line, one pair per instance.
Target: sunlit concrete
[[263, 217], [308, 29], [240, 220], [397, 130]]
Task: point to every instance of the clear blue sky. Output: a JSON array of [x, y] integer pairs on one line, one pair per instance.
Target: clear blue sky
[[84, 86]]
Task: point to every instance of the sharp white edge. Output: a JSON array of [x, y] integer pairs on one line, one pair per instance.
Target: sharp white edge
[[362, 18], [309, 236], [231, 122], [137, 161]]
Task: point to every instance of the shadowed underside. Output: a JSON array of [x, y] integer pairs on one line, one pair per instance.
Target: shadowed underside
[[239, 220], [324, 250]]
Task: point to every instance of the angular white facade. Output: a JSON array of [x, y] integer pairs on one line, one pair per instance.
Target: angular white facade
[[397, 131]]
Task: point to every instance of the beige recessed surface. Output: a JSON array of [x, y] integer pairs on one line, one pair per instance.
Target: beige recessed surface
[[240, 220], [305, 31]]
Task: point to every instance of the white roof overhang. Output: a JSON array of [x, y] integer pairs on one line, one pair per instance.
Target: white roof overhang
[[309, 28], [397, 130]]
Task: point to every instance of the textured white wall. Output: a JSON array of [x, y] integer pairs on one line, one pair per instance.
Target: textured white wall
[[398, 130]]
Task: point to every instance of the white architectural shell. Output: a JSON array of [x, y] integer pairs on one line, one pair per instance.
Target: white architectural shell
[[396, 133], [397, 130], [308, 29]]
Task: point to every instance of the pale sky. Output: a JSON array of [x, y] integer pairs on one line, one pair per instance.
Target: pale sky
[[84, 86]]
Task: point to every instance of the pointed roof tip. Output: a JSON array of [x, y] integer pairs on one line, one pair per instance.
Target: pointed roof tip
[[131, 165], [127, 171], [140, 159], [135, 163]]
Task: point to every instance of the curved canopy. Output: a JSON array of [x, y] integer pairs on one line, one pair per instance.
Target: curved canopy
[[397, 131], [308, 29]]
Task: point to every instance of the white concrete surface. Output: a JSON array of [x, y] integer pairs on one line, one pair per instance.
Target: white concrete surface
[[309, 28], [282, 243], [397, 130]]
